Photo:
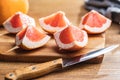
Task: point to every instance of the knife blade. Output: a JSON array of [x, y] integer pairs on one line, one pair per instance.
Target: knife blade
[[47, 67]]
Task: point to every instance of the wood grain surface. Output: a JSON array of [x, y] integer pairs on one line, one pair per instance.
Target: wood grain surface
[[108, 70]]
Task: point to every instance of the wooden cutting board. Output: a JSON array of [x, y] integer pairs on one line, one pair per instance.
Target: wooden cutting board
[[9, 52]]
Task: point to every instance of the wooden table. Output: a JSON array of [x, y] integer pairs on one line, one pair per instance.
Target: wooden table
[[109, 69]]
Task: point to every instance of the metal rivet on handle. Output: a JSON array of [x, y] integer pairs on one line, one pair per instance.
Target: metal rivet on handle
[[10, 74], [33, 68], [54, 61]]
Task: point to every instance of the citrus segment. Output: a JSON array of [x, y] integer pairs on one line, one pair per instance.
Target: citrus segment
[[17, 22], [71, 38], [31, 38], [94, 23], [54, 22]]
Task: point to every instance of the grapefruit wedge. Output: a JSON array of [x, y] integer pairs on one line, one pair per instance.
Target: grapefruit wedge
[[17, 22], [31, 38], [54, 22], [94, 23], [71, 38]]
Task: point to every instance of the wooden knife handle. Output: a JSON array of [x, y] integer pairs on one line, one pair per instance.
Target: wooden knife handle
[[35, 70]]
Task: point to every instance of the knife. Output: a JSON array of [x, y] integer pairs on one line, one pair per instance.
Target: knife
[[47, 67]]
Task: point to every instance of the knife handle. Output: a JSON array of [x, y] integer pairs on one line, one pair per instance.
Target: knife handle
[[35, 70]]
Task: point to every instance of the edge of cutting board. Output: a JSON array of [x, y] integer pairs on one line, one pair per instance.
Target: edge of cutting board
[[18, 55]]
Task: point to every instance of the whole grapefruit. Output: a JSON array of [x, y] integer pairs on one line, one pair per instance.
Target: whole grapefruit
[[10, 7]]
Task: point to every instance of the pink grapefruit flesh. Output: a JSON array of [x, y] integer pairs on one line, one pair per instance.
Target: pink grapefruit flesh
[[67, 36], [15, 21], [56, 20], [34, 35], [98, 20]]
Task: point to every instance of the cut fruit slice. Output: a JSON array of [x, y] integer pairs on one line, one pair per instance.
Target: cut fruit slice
[[71, 38], [54, 22], [17, 22], [94, 23], [31, 38]]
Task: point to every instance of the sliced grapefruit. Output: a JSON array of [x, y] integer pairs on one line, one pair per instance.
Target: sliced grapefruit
[[54, 22], [71, 38], [17, 22], [31, 38], [94, 23]]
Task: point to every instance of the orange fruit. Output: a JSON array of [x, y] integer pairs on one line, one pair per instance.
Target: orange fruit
[[54, 22], [94, 23], [71, 38], [31, 38], [10, 7], [17, 22]]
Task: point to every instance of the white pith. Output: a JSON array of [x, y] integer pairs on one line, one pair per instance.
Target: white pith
[[30, 44], [73, 44], [50, 28], [18, 41], [96, 29], [8, 26]]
